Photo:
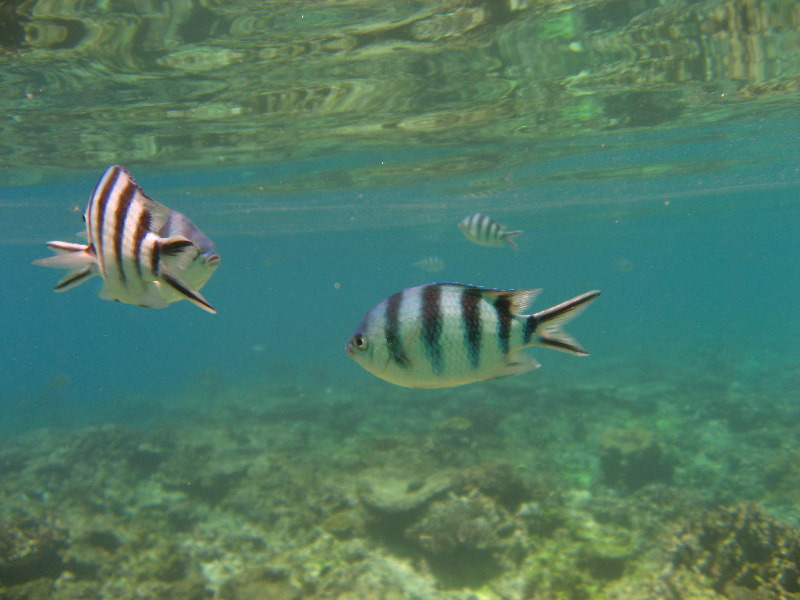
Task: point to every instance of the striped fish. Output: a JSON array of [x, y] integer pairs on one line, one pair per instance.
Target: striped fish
[[483, 230], [431, 264], [146, 253], [447, 334]]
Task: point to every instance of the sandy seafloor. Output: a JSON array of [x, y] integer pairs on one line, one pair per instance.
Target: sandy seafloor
[[174, 454]]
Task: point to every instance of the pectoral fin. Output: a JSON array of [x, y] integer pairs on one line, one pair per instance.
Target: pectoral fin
[[177, 253]]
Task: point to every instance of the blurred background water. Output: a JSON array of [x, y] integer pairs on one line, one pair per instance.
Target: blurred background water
[[647, 148]]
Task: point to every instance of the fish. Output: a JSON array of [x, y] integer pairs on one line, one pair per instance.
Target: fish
[[431, 264], [146, 253], [442, 335], [484, 231]]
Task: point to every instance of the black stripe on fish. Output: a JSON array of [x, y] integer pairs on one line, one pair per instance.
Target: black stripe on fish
[[491, 230], [142, 227], [155, 259], [471, 318], [100, 198], [432, 325], [392, 329], [124, 199], [527, 331], [502, 306], [484, 227]]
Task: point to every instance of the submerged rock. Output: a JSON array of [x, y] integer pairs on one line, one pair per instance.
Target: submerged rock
[[462, 523], [394, 496], [631, 458]]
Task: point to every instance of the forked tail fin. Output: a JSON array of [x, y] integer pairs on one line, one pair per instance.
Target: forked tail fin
[[79, 259], [549, 324], [507, 235]]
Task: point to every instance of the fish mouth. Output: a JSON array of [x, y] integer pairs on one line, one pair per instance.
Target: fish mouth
[[213, 260], [348, 347]]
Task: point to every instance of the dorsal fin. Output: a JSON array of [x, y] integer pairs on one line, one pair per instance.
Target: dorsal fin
[[159, 214]]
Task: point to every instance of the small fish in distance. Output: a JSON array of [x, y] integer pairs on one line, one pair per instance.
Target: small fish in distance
[[431, 264], [146, 253], [484, 231], [448, 334]]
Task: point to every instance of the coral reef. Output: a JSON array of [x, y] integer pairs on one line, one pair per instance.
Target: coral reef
[[743, 551], [465, 537], [244, 498]]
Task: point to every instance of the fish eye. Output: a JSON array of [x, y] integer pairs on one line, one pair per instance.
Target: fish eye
[[360, 342]]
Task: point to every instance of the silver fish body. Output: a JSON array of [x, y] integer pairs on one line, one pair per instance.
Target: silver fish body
[[448, 334], [483, 230], [146, 254]]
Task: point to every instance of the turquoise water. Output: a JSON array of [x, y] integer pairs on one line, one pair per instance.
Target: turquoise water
[[171, 453], [689, 266]]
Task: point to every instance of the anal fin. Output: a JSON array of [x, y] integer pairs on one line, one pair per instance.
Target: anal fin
[[518, 363], [151, 297]]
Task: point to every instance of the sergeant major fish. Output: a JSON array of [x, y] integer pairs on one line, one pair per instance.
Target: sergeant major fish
[[431, 264], [483, 230], [448, 334], [146, 253]]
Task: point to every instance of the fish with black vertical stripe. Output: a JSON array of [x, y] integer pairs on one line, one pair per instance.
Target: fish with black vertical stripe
[[483, 230], [145, 253], [447, 334]]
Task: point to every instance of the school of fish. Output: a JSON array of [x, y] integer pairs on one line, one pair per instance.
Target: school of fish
[[435, 335]]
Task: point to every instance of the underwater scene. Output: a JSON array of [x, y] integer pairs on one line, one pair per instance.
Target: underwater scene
[[402, 300]]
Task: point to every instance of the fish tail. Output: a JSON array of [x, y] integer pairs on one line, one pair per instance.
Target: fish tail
[[507, 235], [68, 256], [548, 324], [79, 260], [75, 277]]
